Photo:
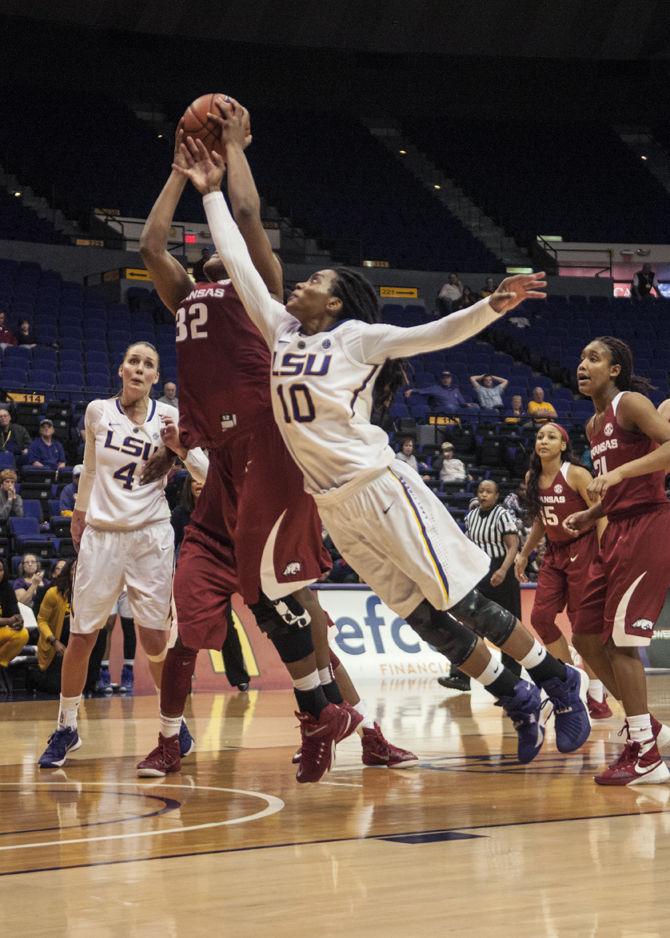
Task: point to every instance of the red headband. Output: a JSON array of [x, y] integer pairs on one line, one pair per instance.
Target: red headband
[[561, 430]]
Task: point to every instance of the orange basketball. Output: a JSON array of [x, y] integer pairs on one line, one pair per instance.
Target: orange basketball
[[196, 124]]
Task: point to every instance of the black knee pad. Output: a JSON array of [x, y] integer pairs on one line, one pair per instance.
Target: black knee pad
[[485, 617], [444, 632], [286, 624]]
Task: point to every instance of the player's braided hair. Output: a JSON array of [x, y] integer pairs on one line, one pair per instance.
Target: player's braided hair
[[359, 301], [621, 354], [530, 499]]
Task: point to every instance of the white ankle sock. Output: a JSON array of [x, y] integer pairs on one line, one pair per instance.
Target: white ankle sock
[[104, 664], [597, 690], [170, 726], [67, 712], [309, 682], [367, 723], [492, 670], [326, 675], [639, 728], [536, 655]]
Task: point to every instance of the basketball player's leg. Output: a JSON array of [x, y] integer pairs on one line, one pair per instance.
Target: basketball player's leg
[[148, 580], [339, 688], [203, 584], [97, 584], [637, 582]]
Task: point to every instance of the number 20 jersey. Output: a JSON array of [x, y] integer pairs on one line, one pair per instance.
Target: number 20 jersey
[[222, 367], [117, 501]]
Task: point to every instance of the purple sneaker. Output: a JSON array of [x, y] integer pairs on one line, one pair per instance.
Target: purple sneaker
[[573, 725], [523, 709]]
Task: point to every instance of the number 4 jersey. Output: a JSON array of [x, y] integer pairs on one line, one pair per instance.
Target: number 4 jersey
[[223, 366], [116, 451]]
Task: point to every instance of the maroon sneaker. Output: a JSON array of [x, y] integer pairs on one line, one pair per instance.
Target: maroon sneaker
[[378, 752], [163, 759], [317, 752], [598, 710], [355, 719], [636, 765]]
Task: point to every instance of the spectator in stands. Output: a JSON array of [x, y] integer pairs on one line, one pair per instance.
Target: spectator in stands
[[181, 514], [199, 266], [444, 398], [25, 335], [11, 504], [488, 288], [81, 433], [446, 467], [7, 337], [643, 284], [13, 437], [515, 413], [468, 299], [449, 295], [13, 634], [30, 580], [488, 393], [53, 621], [406, 454], [539, 410], [44, 451], [169, 394], [69, 492]]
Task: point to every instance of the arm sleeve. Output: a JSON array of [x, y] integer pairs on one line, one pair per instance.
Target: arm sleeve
[[18, 507], [197, 463], [87, 478], [381, 341], [266, 313], [10, 605], [5, 509], [32, 454], [507, 523]]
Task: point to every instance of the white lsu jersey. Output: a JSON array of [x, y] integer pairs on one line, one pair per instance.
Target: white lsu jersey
[[322, 384], [115, 455]]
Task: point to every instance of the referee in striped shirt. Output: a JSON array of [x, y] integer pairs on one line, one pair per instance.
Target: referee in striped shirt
[[492, 528]]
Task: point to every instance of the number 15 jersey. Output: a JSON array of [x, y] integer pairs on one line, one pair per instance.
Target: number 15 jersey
[[116, 451]]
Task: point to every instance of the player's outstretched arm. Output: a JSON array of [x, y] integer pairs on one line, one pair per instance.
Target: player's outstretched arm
[[205, 171], [169, 277], [382, 341], [233, 121]]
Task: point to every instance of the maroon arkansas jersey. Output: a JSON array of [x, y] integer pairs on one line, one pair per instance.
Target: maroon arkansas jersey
[[611, 447], [558, 501], [223, 366]]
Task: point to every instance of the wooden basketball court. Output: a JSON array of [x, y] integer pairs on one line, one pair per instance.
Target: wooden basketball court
[[468, 843]]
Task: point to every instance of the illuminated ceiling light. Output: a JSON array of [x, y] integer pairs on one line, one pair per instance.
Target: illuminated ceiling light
[[18, 194], [437, 186], [645, 158], [402, 152]]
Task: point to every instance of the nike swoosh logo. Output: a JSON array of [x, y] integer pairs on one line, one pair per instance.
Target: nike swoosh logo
[[314, 732], [384, 510], [572, 559]]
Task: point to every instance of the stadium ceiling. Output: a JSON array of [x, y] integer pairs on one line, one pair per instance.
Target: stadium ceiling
[[549, 29]]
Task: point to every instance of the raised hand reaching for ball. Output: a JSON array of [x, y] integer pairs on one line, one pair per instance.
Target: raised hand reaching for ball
[[205, 169]]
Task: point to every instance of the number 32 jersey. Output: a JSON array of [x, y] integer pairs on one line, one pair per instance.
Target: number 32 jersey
[[116, 451], [222, 367]]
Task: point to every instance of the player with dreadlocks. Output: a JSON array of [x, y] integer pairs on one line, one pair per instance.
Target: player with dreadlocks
[[629, 579], [556, 487], [328, 351]]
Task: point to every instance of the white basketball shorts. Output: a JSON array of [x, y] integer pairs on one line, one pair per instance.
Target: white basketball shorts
[[401, 540], [139, 561]]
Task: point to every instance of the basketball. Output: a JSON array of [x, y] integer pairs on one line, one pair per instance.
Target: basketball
[[198, 125]]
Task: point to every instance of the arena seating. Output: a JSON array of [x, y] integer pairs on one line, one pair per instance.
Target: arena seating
[[581, 182], [20, 223]]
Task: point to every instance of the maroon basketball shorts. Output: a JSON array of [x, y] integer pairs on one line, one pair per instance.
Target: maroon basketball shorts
[[628, 580], [204, 581], [273, 523], [561, 582]]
